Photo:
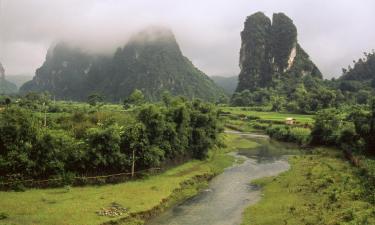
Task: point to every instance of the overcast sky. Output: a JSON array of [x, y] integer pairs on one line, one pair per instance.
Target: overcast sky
[[333, 32]]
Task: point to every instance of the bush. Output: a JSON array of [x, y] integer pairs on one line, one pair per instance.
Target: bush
[[299, 135], [291, 134], [3, 216]]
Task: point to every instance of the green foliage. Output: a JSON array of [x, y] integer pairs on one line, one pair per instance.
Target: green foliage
[[80, 142], [326, 127], [362, 70], [104, 152], [151, 61], [318, 189], [95, 99], [135, 99], [353, 129], [298, 135], [19, 133]]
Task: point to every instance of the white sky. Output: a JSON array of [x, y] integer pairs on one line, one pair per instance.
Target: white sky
[[333, 32]]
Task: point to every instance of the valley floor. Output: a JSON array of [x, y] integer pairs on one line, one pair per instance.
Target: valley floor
[[79, 205]]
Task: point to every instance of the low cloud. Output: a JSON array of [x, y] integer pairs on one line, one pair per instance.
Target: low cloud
[[333, 32]]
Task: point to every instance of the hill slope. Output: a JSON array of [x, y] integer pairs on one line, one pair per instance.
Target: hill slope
[[6, 87], [229, 84], [19, 80], [151, 61], [361, 76]]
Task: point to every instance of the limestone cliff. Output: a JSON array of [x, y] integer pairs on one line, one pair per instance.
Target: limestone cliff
[[270, 51]]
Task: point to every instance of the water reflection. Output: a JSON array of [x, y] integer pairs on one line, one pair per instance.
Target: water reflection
[[230, 192], [269, 150]]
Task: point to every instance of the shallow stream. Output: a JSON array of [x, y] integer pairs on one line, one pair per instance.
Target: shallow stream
[[229, 193]]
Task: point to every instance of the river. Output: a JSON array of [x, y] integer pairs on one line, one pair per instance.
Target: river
[[229, 193]]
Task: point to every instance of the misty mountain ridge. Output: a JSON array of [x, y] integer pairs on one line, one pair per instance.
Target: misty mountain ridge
[[6, 87], [151, 61], [19, 79], [229, 84]]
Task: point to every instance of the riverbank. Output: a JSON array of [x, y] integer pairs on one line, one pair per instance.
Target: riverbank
[[321, 188], [229, 193], [82, 205]]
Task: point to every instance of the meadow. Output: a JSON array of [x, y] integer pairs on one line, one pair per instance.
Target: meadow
[[272, 116], [320, 188]]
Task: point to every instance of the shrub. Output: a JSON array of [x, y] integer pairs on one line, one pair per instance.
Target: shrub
[[299, 135]]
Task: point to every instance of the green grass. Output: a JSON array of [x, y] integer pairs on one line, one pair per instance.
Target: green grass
[[318, 189], [241, 125], [274, 116], [78, 205]]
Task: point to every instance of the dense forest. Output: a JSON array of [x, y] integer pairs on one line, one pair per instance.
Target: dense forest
[[41, 139]]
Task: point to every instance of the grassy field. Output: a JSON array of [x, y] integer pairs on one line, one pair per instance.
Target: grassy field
[[275, 116], [78, 205], [318, 189]]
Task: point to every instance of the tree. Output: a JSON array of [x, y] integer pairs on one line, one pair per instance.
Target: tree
[[135, 99], [7, 101], [166, 98], [327, 125], [365, 126], [371, 137], [104, 149], [363, 96], [19, 133], [95, 99], [133, 142], [277, 103]]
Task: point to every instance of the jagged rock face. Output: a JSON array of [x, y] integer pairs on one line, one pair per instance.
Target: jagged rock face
[[283, 41], [270, 51], [255, 53], [151, 61], [63, 73]]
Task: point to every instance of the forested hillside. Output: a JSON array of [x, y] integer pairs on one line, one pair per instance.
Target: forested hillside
[[151, 61], [229, 84]]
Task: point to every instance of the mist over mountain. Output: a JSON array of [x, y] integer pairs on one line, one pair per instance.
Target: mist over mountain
[[19, 79], [151, 61], [6, 87], [229, 84]]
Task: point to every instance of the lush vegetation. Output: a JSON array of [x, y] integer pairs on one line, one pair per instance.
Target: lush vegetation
[[322, 188], [42, 139], [352, 129], [82, 205], [277, 73]]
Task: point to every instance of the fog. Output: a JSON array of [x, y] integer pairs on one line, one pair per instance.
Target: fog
[[333, 32]]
